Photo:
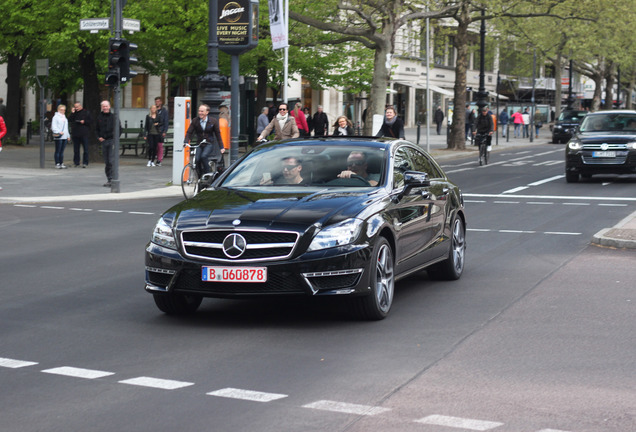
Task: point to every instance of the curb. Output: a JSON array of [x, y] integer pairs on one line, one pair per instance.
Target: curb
[[621, 236]]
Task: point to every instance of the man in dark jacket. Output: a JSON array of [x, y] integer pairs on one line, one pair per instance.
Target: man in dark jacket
[[206, 128], [484, 125], [439, 118], [105, 129], [321, 122], [80, 122], [164, 120]]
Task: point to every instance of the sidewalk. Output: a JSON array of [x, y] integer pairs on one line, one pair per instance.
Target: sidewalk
[[23, 181]]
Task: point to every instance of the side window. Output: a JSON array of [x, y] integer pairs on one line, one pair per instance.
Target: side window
[[401, 163], [423, 163]]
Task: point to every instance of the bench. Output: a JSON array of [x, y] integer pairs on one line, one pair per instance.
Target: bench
[[132, 139]]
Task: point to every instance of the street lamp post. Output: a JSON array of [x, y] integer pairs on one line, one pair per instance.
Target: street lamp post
[[482, 95], [212, 82]]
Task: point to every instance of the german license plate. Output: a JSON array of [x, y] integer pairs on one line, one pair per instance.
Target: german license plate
[[234, 274], [606, 154]]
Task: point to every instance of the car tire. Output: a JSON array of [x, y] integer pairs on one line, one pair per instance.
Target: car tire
[[177, 304], [453, 266], [571, 177], [377, 304]]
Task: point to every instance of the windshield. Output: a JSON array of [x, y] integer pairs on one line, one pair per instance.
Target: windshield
[[609, 122], [575, 116], [311, 165]]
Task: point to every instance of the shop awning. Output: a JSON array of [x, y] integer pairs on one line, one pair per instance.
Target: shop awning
[[422, 85]]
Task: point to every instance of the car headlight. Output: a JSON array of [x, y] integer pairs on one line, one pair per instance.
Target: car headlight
[[631, 145], [558, 127], [574, 144], [163, 236], [340, 234]]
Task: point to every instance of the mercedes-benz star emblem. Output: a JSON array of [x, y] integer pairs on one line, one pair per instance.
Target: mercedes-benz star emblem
[[234, 245]]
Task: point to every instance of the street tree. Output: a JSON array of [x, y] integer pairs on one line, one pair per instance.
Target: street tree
[[373, 24]]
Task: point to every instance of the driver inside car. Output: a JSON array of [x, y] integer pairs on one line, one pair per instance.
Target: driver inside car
[[357, 165]]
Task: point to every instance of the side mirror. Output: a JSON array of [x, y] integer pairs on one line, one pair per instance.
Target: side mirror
[[208, 178], [413, 179]]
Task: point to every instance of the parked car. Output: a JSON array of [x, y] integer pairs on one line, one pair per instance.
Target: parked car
[[605, 143], [566, 124], [365, 213]]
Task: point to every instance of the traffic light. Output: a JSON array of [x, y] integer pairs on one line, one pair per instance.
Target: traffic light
[[114, 61], [125, 49]]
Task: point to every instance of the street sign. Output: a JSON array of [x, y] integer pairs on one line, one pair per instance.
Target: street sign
[[131, 25], [95, 24], [42, 67]]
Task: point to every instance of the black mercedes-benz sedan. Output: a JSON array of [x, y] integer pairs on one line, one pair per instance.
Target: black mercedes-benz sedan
[[604, 144], [334, 216]]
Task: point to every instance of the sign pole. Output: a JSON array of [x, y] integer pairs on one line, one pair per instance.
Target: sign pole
[[42, 69]]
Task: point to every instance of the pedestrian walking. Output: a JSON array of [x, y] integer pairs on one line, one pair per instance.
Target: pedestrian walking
[[439, 119], [321, 122], [517, 120], [80, 122], [3, 132], [59, 127], [343, 127], [469, 121], [392, 126], [105, 130], [526, 123], [310, 120], [503, 121], [164, 119], [262, 121], [283, 125], [301, 121], [152, 134]]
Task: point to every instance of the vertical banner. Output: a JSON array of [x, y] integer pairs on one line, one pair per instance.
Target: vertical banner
[[277, 24], [182, 109]]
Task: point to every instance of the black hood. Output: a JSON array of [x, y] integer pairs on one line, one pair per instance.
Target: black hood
[[614, 137], [221, 207]]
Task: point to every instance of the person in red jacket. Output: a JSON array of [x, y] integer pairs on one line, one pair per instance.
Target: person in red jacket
[[3, 132], [301, 120]]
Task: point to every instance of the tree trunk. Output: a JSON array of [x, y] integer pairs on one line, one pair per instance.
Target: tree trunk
[[14, 96], [596, 100], [91, 98], [609, 87], [377, 94], [457, 139]]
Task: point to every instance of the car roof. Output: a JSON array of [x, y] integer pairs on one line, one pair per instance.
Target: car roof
[[362, 141], [612, 112]]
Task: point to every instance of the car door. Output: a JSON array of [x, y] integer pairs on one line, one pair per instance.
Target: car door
[[411, 216], [437, 203]]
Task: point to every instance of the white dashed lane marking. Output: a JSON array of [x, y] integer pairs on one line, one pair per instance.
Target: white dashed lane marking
[[14, 364], [233, 393], [78, 209], [460, 423], [78, 372], [156, 383], [346, 408], [257, 396]]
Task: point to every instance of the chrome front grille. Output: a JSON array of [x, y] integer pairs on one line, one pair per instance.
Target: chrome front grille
[[620, 154], [259, 245]]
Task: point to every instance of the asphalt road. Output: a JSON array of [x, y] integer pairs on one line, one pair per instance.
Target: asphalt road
[[538, 335]]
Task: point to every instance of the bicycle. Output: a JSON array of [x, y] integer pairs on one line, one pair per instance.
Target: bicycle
[[191, 181], [482, 141]]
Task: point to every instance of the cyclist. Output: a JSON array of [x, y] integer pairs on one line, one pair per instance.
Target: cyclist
[[484, 125], [206, 128]]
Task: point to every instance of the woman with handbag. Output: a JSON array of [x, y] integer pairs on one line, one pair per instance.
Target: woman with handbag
[[59, 128], [152, 134]]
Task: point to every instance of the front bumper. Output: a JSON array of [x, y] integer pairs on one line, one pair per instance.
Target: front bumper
[[584, 162], [342, 270]]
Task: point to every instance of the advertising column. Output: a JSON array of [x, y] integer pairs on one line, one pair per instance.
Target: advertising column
[[182, 110]]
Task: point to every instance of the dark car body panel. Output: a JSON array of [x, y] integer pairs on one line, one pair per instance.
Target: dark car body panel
[[417, 224], [565, 126]]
